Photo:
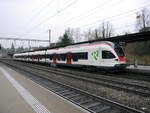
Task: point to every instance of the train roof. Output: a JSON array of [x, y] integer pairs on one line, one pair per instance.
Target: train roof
[[40, 51], [81, 48]]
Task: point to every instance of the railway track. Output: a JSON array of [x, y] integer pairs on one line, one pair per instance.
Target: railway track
[[142, 76], [138, 89], [90, 102]]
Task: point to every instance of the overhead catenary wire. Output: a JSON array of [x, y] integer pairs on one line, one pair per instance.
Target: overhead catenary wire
[[130, 28], [112, 20], [50, 17], [91, 11], [36, 15], [111, 17], [58, 11], [40, 11]]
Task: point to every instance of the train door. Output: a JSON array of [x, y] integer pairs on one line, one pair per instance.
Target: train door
[[54, 58], [69, 57]]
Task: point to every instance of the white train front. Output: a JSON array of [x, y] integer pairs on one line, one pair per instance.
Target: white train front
[[101, 55]]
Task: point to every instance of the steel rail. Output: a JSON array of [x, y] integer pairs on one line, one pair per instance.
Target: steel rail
[[119, 85]]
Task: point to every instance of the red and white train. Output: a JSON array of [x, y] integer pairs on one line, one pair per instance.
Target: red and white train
[[101, 55]]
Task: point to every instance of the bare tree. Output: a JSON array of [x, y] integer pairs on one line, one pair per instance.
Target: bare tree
[[89, 35], [69, 32], [143, 20], [105, 30], [77, 35], [96, 34]]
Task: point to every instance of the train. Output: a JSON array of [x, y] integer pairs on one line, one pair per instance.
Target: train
[[103, 55]]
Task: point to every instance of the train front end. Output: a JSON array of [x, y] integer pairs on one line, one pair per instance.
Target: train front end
[[121, 58]]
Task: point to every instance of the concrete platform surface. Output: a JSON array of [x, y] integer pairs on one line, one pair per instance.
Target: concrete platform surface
[[18, 94]]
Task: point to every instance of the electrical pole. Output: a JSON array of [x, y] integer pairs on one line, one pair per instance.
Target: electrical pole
[[49, 37]]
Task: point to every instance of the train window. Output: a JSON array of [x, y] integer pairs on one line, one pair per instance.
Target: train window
[[83, 56], [58, 57], [119, 52], [49, 56], [75, 57], [42, 56], [46, 56], [107, 55], [63, 57]]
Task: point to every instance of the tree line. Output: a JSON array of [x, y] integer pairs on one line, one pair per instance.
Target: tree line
[[105, 30]]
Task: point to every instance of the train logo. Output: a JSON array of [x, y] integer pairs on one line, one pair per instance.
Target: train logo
[[95, 54]]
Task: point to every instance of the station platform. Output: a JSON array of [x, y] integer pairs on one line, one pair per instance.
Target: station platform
[[139, 67], [18, 94]]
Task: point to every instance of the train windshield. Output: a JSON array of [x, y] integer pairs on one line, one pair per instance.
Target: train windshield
[[119, 51]]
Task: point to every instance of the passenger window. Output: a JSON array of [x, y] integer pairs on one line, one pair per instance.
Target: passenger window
[[60, 57], [75, 57], [107, 55], [63, 57], [51, 57], [80, 56]]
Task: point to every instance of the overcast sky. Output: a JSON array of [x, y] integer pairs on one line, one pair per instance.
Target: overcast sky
[[32, 19]]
